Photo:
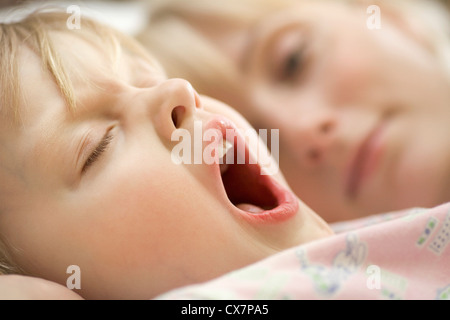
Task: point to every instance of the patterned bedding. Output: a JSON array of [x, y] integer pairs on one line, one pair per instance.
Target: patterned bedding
[[405, 255]]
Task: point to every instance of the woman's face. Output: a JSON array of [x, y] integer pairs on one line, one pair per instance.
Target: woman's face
[[363, 114], [97, 186]]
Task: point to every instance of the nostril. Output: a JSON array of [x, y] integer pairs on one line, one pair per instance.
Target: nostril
[[313, 155], [177, 116], [326, 127]]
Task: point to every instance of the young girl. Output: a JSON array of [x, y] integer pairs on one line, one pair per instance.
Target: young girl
[[87, 176], [360, 93], [88, 182]]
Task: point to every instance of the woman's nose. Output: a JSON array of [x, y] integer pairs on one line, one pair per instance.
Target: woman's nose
[[177, 101], [315, 136]]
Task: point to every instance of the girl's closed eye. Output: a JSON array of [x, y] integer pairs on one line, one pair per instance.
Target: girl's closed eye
[[98, 151]]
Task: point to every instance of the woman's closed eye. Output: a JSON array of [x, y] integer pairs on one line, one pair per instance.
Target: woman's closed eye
[[98, 151]]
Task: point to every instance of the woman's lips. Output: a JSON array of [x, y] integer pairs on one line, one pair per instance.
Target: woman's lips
[[366, 160], [256, 197]]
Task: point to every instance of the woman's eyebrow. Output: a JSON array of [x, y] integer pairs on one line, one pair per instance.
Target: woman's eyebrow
[[260, 35]]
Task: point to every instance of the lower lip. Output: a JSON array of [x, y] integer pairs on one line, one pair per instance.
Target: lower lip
[[369, 163], [288, 205]]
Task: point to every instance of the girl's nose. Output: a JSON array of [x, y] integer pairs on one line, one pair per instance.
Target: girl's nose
[[177, 101]]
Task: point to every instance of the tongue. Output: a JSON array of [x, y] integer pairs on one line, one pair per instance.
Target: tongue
[[250, 208]]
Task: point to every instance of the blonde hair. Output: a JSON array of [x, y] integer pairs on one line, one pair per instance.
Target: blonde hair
[[7, 265], [35, 32], [185, 52]]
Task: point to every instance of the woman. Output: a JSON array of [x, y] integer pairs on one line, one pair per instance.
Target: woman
[[362, 112]]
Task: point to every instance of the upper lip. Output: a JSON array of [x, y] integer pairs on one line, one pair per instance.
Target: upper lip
[[278, 202], [359, 164]]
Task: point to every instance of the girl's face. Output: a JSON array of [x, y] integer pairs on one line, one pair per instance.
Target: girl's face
[[363, 114], [97, 187]]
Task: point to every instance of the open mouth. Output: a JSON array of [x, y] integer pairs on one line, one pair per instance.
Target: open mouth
[[246, 188], [252, 193]]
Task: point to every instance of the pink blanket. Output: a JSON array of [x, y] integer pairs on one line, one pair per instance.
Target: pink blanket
[[397, 256]]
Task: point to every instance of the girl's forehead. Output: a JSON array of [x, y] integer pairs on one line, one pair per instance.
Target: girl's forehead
[[67, 61], [86, 59], [82, 53]]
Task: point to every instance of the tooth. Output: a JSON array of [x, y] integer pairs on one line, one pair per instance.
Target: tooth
[[224, 148]]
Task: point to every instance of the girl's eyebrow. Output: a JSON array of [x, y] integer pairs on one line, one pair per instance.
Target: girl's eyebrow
[[142, 73]]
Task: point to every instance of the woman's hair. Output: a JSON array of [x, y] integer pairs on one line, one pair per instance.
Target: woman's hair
[[185, 52], [36, 31]]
